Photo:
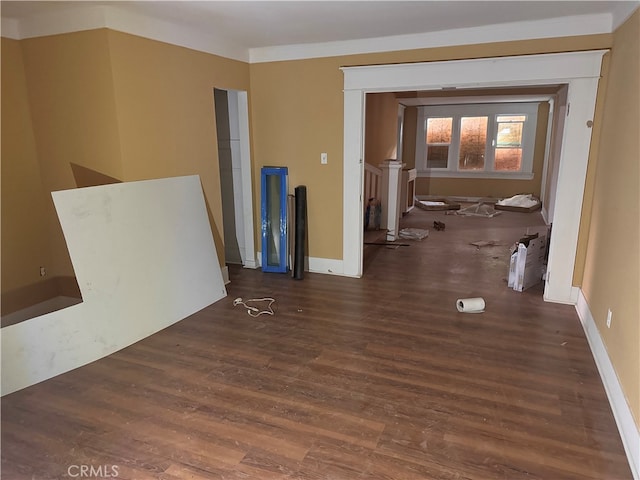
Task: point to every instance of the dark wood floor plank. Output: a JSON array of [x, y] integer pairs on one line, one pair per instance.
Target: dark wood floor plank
[[373, 378]]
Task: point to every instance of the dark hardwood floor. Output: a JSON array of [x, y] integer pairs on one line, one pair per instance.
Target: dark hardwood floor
[[373, 378]]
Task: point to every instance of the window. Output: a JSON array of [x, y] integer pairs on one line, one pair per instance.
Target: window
[[473, 143], [477, 140], [438, 141], [508, 153]]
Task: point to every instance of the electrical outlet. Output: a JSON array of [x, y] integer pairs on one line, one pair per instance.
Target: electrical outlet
[[609, 315], [43, 272]]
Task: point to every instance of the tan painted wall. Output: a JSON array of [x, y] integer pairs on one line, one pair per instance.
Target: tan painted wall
[[70, 90], [25, 245], [612, 267], [117, 104], [165, 111], [587, 202], [381, 128], [409, 137], [297, 112], [133, 108]]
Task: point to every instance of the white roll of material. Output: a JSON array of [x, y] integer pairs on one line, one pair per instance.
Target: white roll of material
[[470, 305]]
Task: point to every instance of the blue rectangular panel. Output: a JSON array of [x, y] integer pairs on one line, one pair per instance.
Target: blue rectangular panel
[[274, 218]]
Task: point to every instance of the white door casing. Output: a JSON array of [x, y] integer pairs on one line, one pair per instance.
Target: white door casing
[[240, 152], [580, 71]]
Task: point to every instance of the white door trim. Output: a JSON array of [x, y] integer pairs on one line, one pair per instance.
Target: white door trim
[[579, 70], [247, 189]]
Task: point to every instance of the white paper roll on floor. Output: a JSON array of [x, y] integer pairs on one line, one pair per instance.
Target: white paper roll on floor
[[470, 305]]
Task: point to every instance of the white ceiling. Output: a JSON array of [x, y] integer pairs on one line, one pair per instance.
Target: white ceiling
[[264, 24]]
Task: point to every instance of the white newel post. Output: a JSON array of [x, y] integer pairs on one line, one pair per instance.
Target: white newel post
[[391, 176]]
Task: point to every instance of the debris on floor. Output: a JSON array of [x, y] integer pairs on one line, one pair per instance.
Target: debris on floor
[[484, 243], [519, 203], [470, 305], [440, 226], [388, 244], [526, 264], [413, 233], [479, 210], [373, 214], [253, 310], [436, 204]]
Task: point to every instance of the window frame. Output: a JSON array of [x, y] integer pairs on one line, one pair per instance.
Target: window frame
[[490, 110]]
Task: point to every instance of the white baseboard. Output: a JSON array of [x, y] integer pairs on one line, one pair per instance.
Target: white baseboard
[[327, 266], [250, 264], [621, 411], [459, 198], [42, 308], [575, 295], [225, 275], [545, 215]]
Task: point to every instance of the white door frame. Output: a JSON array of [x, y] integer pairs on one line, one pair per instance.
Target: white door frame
[[238, 108], [247, 188], [580, 71]]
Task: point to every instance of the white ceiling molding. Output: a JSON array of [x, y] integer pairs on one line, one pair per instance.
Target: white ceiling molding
[[622, 12], [448, 100], [526, 70], [173, 33], [10, 28], [88, 17], [505, 32], [92, 17], [62, 21]]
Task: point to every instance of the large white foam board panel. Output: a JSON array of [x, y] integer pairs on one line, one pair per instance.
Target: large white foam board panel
[[144, 258]]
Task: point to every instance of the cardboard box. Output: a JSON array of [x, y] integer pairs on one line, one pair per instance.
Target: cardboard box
[[526, 264]]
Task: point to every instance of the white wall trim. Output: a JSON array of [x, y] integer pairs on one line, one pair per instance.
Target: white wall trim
[[353, 183], [91, 17], [547, 152], [238, 107], [506, 32], [444, 173], [622, 413], [247, 187], [225, 275], [253, 264], [88, 17], [76, 19], [622, 13], [458, 198], [528, 70], [10, 28], [545, 214], [575, 294], [579, 70], [329, 266]]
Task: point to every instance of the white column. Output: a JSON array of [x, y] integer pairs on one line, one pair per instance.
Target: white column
[[353, 219], [391, 176]]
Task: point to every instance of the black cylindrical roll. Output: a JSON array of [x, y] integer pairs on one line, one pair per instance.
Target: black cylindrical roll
[[301, 232]]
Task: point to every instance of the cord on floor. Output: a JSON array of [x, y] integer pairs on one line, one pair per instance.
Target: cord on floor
[[255, 311]]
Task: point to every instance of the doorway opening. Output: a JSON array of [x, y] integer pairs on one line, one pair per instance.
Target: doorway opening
[[232, 128], [580, 71], [431, 172]]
